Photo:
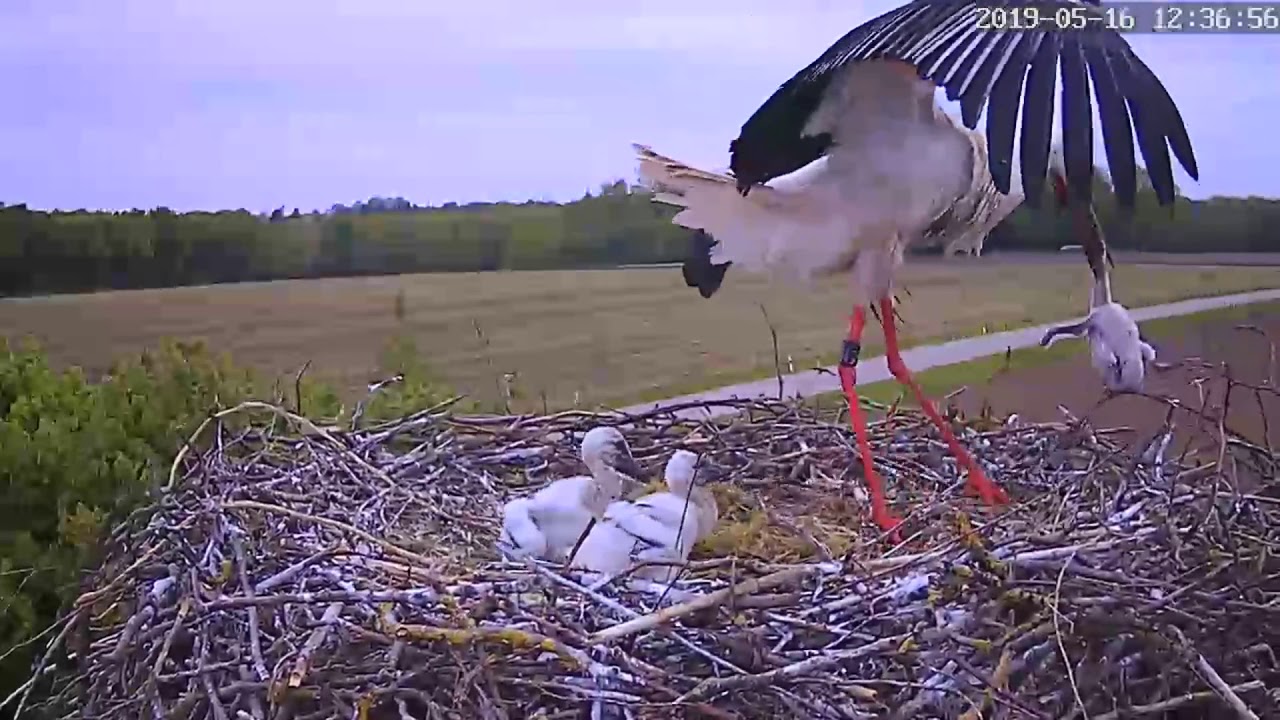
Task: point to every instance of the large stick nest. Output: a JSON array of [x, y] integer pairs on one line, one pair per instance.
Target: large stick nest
[[301, 572]]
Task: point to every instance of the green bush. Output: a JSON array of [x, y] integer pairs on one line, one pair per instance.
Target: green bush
[[419, 387], [76, 456]]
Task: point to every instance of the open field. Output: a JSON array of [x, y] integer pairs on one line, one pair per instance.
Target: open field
[[606, 336]]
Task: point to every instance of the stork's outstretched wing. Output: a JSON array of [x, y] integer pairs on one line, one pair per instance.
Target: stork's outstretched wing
[[942, 39]]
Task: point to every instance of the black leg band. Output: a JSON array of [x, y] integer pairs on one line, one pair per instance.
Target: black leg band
[[849, 353]]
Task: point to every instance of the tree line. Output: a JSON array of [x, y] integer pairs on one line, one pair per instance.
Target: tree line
[[79, 251]]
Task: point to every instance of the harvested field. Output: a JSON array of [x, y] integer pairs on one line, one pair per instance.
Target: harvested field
[[606, 336], [314, 573]]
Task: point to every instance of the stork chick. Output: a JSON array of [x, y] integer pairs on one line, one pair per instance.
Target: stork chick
[[1116, 347], [660, 528], [549, 523]]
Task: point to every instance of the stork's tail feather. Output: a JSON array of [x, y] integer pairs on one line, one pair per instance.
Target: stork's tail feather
[[698, 270], [757, 230], [664, 171], [676, 183]]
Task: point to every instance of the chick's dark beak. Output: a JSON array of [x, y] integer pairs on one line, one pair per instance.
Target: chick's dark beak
[[711, 474], [624, 463]]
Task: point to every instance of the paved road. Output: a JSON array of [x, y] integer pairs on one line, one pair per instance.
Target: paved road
[[875, 369]]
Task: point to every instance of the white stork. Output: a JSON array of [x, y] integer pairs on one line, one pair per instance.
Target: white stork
[[871, 161], [548, 523], [659, 528], [1116, 347]]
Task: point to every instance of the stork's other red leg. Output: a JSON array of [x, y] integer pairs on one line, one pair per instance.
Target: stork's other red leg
[[848, 380], [978, 483]]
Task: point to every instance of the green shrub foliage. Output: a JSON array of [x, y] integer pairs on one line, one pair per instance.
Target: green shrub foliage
[[78, 455]]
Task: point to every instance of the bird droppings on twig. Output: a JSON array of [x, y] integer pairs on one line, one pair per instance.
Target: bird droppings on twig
[[329, 572]]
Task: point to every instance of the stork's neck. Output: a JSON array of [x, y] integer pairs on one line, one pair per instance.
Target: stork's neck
[[1084, 225], [1088, 233], [700, 497], [702, 505]]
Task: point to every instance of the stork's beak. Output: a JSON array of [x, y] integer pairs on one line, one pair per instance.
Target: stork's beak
[[1059, 188], [626, 464], [707, 474]]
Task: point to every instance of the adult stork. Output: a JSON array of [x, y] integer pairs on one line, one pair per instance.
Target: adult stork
[[871, 160]]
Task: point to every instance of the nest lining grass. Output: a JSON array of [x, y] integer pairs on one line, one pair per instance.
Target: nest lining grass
[[292, 571]]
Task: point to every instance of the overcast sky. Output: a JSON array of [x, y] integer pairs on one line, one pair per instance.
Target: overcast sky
[[238, 103]]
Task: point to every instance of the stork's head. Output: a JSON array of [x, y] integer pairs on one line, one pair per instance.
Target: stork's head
[[1127, 372], [681, 467], [1118, 334], [605, 452], [613, 469], [687, 468], [1058, 174]]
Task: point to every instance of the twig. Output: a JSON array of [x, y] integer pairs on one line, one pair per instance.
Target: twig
[[716, 686], [777, 358], [1057, 633], [297, 387], [1212, 677], [665, 615], [338, 525], [1176, 702]]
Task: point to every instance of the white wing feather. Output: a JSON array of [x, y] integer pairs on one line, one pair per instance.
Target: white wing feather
[[548, 523]]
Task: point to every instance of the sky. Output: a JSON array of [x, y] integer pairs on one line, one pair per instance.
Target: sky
[[201, 104]]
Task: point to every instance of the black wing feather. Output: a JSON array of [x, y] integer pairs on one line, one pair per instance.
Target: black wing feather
[[697, 268], [1007, 93], [1037, 119], [972, 99], [1117, 133], [772, 143], [933, 35], [972, 48], [1076, 112], [1166, 123], [1148, 129]]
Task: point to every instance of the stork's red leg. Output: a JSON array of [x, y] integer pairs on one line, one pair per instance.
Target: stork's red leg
[[848, 380], [978, 483]]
